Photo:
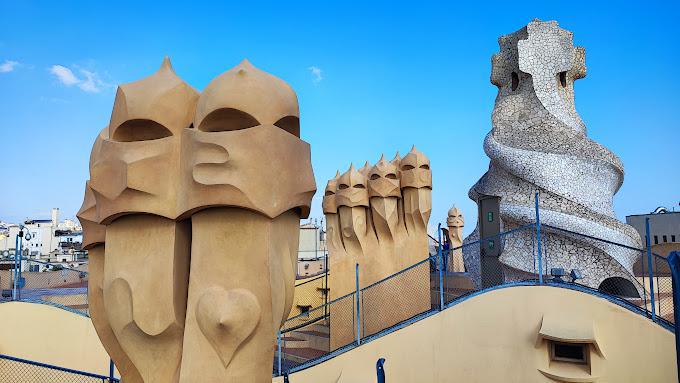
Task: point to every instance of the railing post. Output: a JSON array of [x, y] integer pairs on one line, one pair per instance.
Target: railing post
[[538, 243], [358, 291], [440, 260], [648, 244], [16, 268], [278, 345], [111, 367], [21, 256], [674, 265], [16, 290], [380, 370]]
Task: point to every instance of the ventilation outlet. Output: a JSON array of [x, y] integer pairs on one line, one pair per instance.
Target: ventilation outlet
[[290, 124], [227, 119], [514, 81], [569, 352], [140, 130], [563, 79]]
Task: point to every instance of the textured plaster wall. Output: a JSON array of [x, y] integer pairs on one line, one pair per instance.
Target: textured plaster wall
[[493, 337], [50, 335]]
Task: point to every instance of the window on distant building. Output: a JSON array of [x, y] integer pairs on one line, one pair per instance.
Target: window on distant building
[[656, 239], [304, 310], [672, 238], [491, 244], [665, 239], [489, 216]]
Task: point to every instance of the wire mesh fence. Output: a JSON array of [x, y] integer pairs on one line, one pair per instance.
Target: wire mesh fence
[[664, 288], [17, 370], [395, 299], [309, 293], [520, 254], [632, 274], [486, 265], [316, 333], [48, 283]]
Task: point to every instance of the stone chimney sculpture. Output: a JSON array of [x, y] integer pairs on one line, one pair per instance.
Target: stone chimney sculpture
[[455, 223], [198, 199], [538, 144], [377, 217]]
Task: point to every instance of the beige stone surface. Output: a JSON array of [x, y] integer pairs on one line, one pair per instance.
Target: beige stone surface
[[495, 337], [135, 165], [97, 309], [240, 292], [214, 183], [377, 218], [49, 335], [245, 142], [93, 233], [455, 222], [94, 238], [145, 291]]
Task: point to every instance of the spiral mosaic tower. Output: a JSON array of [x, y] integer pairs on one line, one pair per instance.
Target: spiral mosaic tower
[[538, 143]]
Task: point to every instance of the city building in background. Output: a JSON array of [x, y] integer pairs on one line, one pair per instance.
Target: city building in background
[[312, 250], [45, 240], [664, 237], [664, 229]]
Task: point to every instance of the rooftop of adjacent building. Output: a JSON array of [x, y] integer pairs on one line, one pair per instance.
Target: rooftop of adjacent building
[[661, 210]]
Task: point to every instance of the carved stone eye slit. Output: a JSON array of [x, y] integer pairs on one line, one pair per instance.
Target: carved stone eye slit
[[343, 186], [375, 176], [359, 186], [290, 124], [514, 82], [227, 119], [140, 130], [391, 176], [329, 193], [563, 79], [425, 167], [407, 167]]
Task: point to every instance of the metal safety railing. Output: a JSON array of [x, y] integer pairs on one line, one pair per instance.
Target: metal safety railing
[[395, 301], [13, 369], [36, 281], [431, 285]]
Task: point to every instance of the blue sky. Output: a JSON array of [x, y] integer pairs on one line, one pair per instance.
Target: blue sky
[[389, 76]]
